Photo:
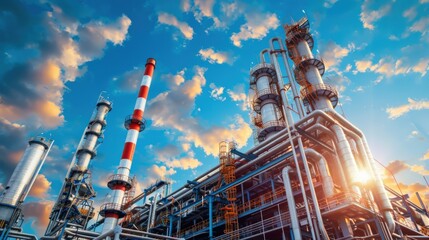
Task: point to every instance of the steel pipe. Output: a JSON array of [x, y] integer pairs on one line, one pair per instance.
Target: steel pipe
[[312, 191], [296, 230], [151, 220], [347, 156], [384, 204], [285, 106], [328, 184]]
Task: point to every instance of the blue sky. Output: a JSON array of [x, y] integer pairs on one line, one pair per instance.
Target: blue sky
[[57, 56]]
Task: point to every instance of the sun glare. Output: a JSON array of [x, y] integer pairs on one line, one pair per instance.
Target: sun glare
[[362, 176]]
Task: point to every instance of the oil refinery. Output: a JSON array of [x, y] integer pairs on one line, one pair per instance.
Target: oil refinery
[[303, 178]]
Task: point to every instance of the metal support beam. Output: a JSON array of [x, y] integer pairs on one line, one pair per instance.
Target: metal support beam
[[315, 140], [210, 217], [254, 173], [248, 157]]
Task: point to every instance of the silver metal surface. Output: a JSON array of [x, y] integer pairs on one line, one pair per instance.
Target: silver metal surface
[[291, 203], [328, 184], [20, 182]]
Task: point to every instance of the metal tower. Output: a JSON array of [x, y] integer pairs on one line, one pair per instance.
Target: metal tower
[[227, 168], [74, 203], [21, 181], [268, 116], [121, 182], [309, 70]]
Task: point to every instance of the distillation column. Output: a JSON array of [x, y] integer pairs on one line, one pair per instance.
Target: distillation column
[[268, 116], [309, 70], [23, 178], [121, 182], [77, 189], [318, 96]]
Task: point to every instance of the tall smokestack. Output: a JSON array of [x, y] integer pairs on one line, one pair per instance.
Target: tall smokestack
[[121, 182]]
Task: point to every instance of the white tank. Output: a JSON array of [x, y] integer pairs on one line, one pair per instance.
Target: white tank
[[23, 176]]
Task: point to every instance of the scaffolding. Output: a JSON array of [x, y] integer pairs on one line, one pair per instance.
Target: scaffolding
[[227, 168]]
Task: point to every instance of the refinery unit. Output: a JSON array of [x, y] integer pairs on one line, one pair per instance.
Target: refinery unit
[[301, 180]]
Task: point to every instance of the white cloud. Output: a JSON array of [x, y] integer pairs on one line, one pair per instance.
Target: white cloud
[[363, 65], [421, 26], [37, 213], [393, 38], [176, 79], [170, 156], [389, 66], [173, 110], [40, 187], [70, 48], [185, 5], [338, 80], [422, 67], [217, 92], [231, 10], [156, 173], [419, 169], [115, 32], [348, 68], [203, 8], [368, 17], [329, 3], [257, 27], [334, 53], [395, 112], [410, 13], [215, 57], [378, 80], [425, 156], [171, 20], [359, 89], [238, 95]]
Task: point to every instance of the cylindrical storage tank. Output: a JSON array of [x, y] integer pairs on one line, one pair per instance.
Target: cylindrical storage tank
[[23, 176]]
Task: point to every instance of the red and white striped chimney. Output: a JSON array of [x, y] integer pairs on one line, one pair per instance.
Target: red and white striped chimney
[[121, 182]]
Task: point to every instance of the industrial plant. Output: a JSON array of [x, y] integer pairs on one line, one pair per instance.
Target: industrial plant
[[303, 178]]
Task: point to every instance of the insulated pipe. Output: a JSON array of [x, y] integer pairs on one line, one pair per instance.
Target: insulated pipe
[[264, 146], [261, 55], [291, 203], [134, 126], [152, 219], [328, 184], [258, 150], [295, 94], [286, 107], [385, 205], [343, 178], [347, 155], [289, 127], [362, 152], [312, 190]]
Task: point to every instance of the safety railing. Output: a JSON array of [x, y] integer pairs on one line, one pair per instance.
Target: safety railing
[[111, 206], [326, 204], [259, 66], [316, 87]]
